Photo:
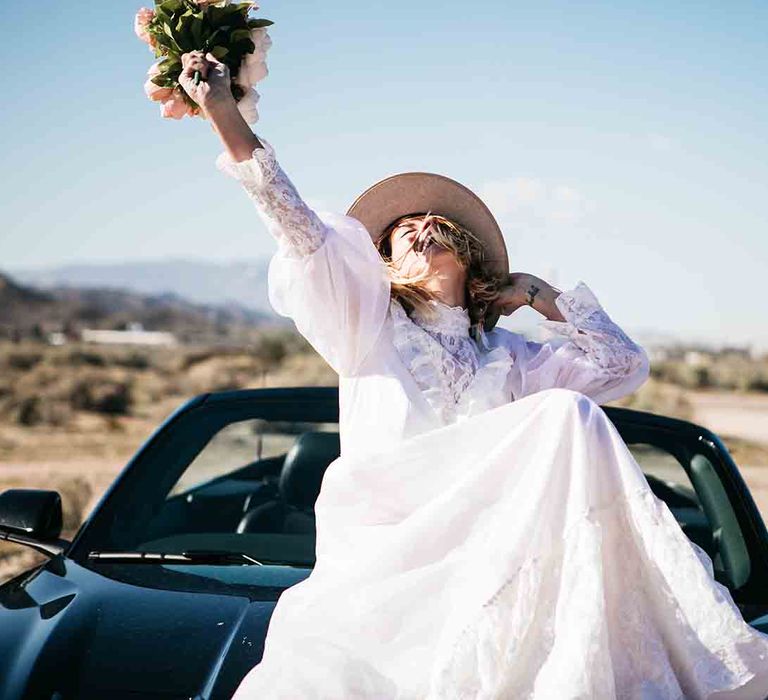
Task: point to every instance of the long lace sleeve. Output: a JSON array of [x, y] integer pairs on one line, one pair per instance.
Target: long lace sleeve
[[297, 228], [326, 275], [587, 352]]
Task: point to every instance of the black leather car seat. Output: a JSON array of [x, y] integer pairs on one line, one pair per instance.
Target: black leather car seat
[[298, 487]]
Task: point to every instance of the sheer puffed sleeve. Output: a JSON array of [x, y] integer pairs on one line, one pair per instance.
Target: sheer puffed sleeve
[[587, 352], [326, 274]]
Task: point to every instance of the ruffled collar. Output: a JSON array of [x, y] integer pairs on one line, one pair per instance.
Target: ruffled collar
[[457, 377], [445, 319]]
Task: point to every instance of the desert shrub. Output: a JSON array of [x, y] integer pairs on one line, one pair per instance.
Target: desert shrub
[[271, 349], [36, 410], [102, 395], [150, 387], [134, 360], [226, 373], [730, 371], [47, 395], [81, 357], [23, 360], [195, 357], [757, 383]]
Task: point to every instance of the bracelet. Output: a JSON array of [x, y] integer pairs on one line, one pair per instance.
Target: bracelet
[[530, 294]]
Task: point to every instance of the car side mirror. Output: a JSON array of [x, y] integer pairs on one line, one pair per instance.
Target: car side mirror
[[32, 517]]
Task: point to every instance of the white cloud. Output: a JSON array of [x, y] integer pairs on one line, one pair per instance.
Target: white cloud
[[526, 201]]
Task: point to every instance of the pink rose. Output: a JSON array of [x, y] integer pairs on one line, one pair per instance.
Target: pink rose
[[247, 106], [254, 66], [140, 23], [156, 92], [175, 107]]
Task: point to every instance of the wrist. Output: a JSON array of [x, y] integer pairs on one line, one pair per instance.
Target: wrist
[[220, 108]]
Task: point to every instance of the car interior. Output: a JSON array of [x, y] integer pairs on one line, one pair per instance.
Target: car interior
[[265, 506]]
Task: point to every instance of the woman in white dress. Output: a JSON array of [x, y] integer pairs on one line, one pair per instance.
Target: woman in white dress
[[485, 533]]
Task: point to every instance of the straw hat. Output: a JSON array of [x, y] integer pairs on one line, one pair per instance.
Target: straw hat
[[418, 193]]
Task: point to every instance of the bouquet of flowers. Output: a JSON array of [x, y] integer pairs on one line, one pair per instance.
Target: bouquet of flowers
[[175, 27]]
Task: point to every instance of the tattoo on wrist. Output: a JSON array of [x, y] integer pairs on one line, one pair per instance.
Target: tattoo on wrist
[[533, 290]]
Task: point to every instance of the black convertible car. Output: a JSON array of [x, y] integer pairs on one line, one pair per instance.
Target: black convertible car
[[167, 588]]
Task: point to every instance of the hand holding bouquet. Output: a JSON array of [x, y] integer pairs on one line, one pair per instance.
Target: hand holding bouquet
[[220, 28]]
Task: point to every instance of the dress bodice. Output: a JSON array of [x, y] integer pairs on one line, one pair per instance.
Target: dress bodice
[[439, 352]]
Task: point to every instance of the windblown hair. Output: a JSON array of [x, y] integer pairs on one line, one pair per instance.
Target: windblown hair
[[482, 285]]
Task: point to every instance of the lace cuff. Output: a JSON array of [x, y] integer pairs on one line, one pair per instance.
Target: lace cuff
[[590, 328], [296, 227]]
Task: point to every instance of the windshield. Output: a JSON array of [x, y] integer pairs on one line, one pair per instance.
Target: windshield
[[219, 482]]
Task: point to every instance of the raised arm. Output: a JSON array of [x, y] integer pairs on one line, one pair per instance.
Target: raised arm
[[326, 274], [251, 160], [296, 227]]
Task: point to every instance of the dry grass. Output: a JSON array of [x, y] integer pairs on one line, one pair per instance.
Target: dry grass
[[71, 416], [726, 371]]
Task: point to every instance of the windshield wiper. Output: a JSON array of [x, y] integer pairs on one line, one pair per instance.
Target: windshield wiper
[[191, 556]]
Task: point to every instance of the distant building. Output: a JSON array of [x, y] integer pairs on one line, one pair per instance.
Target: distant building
[[57, 338], [134, 334]]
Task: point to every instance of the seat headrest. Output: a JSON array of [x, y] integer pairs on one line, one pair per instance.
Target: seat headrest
[[305, 465]]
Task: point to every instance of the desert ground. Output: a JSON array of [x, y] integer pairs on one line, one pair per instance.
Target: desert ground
[[71, 418]]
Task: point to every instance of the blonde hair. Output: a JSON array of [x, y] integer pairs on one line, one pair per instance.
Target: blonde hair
[[483, 286]]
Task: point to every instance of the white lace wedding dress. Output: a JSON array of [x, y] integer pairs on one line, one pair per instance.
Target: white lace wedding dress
[[485, 533]]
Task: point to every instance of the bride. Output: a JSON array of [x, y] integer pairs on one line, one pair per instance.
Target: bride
[[485, 532]]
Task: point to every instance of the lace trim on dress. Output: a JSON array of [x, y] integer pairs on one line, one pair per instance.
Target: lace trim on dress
[[475, 661], [297, 228], [457, 376], [444, 319], [590, 328], [440, 354]]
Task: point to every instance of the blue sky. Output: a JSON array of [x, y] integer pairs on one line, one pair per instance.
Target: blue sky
[[622, 144]]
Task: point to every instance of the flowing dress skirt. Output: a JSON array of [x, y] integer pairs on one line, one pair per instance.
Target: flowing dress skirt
[[519, 553]]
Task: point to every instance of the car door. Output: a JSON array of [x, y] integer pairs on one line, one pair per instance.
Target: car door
[[691, 470]]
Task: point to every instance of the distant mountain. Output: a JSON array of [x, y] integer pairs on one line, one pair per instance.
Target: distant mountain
[[242, 283], [27, 311], [18, 300]]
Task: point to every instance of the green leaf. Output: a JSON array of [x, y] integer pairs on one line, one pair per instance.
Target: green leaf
[[171, 6], [183, 34], [240, 34], [244, 47], [196, 27], [254, 23], [219, 52]]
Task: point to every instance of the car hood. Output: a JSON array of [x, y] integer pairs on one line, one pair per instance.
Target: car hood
[[135, 630]]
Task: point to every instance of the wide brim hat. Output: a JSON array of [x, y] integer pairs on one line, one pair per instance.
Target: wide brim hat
[[419, 193]]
